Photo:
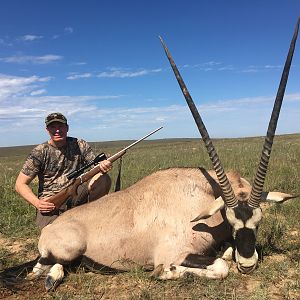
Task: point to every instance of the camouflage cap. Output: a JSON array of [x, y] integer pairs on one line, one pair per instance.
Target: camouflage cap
[[55, 117]]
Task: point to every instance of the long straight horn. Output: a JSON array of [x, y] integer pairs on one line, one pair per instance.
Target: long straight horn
[[229, 196], [258, 184]]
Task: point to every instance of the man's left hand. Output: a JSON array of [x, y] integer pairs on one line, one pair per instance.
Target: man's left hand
[[105, 166]]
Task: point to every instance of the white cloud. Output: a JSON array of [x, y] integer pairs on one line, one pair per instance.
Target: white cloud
[[78, 76], [226, 68], [219, 66], [256, 69], [250, 70], [80, 63], [14, 86], [38, 92], [272, 67], [292, 97], [115, 73], [23, 105], [212, 63], [5, 43], [45, 59], [30, 37], [68, 30]]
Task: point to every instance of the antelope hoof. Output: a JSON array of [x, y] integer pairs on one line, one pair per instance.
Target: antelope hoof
[[51, 284], [38, 271], [54, 277]]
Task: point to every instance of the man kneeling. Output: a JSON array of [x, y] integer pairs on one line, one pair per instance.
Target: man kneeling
[[51, 162]]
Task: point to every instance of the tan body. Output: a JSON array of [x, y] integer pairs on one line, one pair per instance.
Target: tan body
[[148, 223]]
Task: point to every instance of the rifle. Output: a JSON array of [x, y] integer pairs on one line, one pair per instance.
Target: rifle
[[71, 190]]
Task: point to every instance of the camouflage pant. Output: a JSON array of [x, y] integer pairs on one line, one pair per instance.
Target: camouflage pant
[[43, 219]]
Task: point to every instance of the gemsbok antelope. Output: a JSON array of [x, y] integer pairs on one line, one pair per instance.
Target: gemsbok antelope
[[149, 223]]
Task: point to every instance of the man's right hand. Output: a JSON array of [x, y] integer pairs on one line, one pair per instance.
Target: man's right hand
[[25, 191], [43, 206]]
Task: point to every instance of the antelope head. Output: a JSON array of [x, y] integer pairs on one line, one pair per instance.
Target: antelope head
[[243, 216]]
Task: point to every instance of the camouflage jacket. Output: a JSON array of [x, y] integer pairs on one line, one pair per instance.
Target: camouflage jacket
[[52, 165]]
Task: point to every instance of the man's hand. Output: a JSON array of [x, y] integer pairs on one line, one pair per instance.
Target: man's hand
[[105, 166], [43, 206], [25, 191]]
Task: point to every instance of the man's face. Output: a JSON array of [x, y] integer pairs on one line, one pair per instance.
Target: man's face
[[57, 131]]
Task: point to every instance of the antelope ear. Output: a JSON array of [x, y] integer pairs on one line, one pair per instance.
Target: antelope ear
[[276, 197], [215, 206]]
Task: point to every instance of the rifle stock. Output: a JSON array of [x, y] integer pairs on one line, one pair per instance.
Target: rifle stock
[[59, 198], [71, 190]]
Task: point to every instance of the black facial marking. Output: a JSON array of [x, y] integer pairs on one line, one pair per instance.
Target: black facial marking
[[245, 242], [243, 211]]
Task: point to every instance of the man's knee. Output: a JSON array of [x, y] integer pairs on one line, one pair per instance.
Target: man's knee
[[42, 220]]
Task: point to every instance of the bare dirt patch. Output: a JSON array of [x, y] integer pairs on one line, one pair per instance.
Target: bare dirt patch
[[19, 246]]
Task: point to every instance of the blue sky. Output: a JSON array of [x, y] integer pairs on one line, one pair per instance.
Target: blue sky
[[102, 65]]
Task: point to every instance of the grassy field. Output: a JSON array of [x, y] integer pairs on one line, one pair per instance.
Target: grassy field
[[278, 275]]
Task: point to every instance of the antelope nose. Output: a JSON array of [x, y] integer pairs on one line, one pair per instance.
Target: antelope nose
[[246, 270]]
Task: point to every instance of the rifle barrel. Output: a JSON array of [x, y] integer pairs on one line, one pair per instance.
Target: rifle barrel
[[141, 139]]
